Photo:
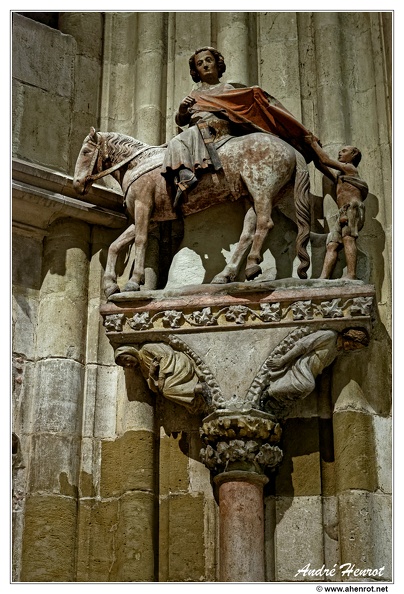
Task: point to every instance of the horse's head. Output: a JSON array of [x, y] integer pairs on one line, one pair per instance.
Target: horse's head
[[90, 158]]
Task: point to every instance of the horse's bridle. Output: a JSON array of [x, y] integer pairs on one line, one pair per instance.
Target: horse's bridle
[[100, 156]]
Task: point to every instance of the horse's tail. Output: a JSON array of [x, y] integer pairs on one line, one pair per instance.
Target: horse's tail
[[303, 215]]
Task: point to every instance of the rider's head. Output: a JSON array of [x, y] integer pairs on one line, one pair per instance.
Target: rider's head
[[221, 66]]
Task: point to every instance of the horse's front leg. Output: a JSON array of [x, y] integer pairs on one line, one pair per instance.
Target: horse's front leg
[[142, 218], [232, 268], [109, 281]]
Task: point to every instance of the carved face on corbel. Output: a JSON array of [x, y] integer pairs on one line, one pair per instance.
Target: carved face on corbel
[[352, 339], [127, 356]]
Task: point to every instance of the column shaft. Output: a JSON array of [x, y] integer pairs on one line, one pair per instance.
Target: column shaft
[[242, 530]]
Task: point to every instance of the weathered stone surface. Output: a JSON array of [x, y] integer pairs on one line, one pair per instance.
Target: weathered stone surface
[[64, 291], [44, 145], [57, 406], [101, 395], [134, 552], [85, 29], [96, 537], [70, 316], [174, 474], [383, 445], [299, 474], [30, 44], [279, 63], [298, 536], [116, 539], [66, 255], [232, 38], [355, 460], [54, 464], [362, 515], [127, 463], [331, 535], [138, 414], [181, 551], [49, 541], [27, 261], [24, 320], [221, 351]]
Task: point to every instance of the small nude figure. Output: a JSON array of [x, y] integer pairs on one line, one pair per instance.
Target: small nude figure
[[351, 192]]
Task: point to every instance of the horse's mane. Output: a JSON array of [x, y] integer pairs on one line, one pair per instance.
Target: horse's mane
[[121, 145]]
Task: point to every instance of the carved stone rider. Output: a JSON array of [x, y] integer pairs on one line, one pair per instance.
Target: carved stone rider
[[218, 110]]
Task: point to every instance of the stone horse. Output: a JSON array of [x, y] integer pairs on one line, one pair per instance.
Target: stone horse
[[258, 167]]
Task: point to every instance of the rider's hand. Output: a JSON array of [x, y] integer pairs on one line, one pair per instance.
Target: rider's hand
[[185, 104]]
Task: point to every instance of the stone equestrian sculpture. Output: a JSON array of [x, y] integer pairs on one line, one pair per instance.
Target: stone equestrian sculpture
[[279, 172], [241, 143]]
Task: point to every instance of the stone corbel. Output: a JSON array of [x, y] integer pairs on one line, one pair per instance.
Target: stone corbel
[[174, 339]]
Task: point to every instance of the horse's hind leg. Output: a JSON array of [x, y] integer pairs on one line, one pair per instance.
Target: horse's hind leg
[[109, 283], [263, 226], [231, 270]]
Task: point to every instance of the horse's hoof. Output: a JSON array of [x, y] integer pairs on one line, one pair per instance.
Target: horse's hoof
[[220, 280], [131, 286], [253, 272], [111, 290]]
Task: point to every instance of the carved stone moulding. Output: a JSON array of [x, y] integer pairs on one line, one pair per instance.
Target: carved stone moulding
[[135, 317]]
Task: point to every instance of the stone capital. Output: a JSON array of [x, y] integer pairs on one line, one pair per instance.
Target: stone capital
[[240, 442]]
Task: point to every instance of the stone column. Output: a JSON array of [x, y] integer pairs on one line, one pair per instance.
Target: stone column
[[233, 41], [241, 511], [49, 543], [239, 448], [149, 102]]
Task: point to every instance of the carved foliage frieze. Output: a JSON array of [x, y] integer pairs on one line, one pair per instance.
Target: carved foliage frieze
[[259, 314]]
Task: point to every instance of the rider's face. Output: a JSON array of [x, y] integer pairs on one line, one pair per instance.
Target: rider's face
[[206, 67]]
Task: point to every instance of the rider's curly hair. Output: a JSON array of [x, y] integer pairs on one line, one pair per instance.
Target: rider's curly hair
[[221, 66]]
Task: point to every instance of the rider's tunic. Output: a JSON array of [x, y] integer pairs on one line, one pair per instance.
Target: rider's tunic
[[188, 149], [231, 111]]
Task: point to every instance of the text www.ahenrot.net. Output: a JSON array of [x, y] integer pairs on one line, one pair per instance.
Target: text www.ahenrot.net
[[352, 588]]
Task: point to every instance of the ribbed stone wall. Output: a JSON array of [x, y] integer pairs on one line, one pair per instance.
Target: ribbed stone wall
[[108, 481]]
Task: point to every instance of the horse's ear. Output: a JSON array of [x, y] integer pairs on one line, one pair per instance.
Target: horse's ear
[[93, 134]]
